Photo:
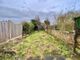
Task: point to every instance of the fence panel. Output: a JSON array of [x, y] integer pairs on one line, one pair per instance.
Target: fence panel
[[9, 30]]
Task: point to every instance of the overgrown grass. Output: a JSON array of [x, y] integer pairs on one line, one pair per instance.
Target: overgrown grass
[[40, 44]]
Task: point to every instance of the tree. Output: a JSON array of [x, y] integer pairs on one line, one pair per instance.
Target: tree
[[47, 23], [25, 27], [37, 23], [34, 21]]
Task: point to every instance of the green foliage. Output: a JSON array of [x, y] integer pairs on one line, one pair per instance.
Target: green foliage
[[25, 27], [34, 21], [47, 22], [42, 44], [39, 44], [77, 22], [37, 24], [31, 27]]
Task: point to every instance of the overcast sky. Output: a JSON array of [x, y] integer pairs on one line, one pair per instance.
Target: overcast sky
[[41, 5], [18, 8]]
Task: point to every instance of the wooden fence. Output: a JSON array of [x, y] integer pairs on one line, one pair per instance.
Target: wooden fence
[[9, 30]]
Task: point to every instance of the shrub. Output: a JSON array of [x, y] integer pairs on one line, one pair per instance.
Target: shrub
[[25, 27], [31, 27], [28, 27], [34, 22]]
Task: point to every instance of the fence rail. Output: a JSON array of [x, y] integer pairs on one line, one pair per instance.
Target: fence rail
[[9, 30]]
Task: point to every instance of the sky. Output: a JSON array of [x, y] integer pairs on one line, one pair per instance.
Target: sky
[[40, 5]]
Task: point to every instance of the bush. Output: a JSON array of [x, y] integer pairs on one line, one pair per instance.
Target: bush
[[25, 27], [28, 27], [33, 21], [31, 27]]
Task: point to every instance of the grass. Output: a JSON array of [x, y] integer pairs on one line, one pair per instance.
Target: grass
[[40, 44]]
